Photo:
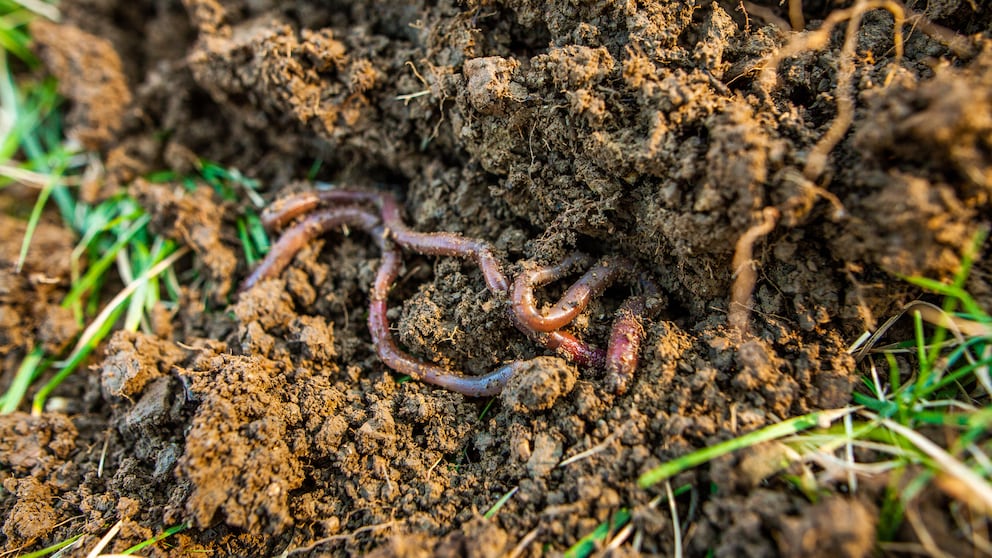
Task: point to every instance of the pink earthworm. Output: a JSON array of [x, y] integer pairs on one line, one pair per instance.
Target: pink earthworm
[[302, 233], [322, 221], [623, 352], [620, 359], [284, 210], [573, 302], [431, 244], [473, 386], [444, 244]]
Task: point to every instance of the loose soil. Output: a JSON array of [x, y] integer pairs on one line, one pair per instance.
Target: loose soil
[[265, 421]]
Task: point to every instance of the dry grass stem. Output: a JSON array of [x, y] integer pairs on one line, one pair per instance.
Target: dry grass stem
[[524, 543], [766, 14], [676, 528], [103, 542], [333, 538]]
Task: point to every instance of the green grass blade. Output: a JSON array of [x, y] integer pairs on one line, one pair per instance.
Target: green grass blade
[[78, 355], [34, 219], [16, 42], [246, 242], [98, 268], [54, 548], [923, 378], [500, 503], [136, 307], [954, 376], [257, 232], [157, 538], [767, 434], [314, 169], [967, 302], [26, 373], [587, 544]]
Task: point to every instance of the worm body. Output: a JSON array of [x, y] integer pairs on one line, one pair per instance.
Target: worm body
[[390, 232]]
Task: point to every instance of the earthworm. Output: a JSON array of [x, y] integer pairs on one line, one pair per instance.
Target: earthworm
[[431, 244], [319, 222], [573, 302], [623, 352], [284, 210], [300, 234], [402, 362], [444, 244], [389, 232]]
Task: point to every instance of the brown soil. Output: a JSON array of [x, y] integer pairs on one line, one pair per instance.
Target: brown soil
[[265, 420]]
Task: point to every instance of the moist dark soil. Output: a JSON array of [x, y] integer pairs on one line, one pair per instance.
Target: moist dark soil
[[265, 421]]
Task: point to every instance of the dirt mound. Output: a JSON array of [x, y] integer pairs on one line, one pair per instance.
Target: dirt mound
[[638, 129]]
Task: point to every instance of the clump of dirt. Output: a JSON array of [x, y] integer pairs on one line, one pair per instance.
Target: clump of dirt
[[90, 73], [643, 130], [539, 384], [195, 219], [33, 451], [30, 311]]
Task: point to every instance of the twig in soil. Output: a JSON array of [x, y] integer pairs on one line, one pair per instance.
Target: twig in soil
[[620, 538], [926, 539], [390, 231], [744, 272], [595, 449], [103, 455], [410, 96], [524, 543], [333, 538]]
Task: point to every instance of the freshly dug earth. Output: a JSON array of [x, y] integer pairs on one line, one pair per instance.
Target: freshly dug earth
[[264, 419]]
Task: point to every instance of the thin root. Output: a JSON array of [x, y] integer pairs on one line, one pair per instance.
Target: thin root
[[745, 274]]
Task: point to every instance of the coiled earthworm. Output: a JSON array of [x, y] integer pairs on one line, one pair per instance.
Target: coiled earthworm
[[389, 231]]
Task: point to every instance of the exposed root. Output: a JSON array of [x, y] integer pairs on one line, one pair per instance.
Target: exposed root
[[816, 161], [796, 18], [745, 274]]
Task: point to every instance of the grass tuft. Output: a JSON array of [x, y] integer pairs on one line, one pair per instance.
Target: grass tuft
[[232, 186], [116, 258], [773, 432]]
